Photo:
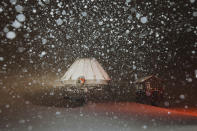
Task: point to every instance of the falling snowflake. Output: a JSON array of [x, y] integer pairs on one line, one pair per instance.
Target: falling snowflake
[[16, 24], [59, 21], [1, 58], [192, 1], [11, 35], [1, 9], [13, 2], [182, 96], [195, 72], [20, 17], [43, 53], [58, 113], [84, 14], [19, 8], [195, 13], [143, 20]]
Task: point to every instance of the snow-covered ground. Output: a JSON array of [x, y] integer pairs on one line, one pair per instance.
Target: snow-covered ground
[[19, 115]]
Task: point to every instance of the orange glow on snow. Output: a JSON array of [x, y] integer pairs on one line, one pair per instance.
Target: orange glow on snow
[[141, 109]]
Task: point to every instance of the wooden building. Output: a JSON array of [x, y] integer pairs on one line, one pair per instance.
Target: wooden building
[[149, 88]]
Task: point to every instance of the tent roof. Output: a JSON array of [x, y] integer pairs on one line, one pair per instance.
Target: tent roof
[[89, 68]]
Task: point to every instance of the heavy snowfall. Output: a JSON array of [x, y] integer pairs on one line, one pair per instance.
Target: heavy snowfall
[[40, 39]]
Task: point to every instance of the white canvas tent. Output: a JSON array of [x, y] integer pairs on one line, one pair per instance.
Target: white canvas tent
[[87, 68]]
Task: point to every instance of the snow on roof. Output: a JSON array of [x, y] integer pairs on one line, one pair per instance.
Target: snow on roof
[[145, 78]]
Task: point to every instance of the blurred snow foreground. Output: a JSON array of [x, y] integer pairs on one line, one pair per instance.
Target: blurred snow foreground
[[86, 71], [18, 115]]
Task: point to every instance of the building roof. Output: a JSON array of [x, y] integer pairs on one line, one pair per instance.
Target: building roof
[[143, 79]]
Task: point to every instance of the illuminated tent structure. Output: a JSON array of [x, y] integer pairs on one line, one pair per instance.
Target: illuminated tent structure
[[85, 71]]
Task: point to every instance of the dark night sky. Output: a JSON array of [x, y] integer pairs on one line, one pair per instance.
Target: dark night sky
[[114, 32]]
